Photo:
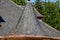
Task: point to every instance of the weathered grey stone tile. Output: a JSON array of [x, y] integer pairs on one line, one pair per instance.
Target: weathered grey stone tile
[[11, 14]]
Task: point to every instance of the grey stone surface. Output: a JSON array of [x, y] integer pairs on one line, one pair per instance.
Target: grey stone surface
[[30, 25], [49, 30], [27, 25], [11, 13], [37, 13]]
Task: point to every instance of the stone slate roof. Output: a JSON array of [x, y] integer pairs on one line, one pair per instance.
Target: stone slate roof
[[39, 16], [11, 13], [30, 25], [23, 21]]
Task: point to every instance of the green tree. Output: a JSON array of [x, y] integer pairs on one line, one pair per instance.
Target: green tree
[[19, 2], [51, 12]]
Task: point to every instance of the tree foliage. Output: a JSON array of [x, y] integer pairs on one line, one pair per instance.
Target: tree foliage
[[19, 2], [51, 12]]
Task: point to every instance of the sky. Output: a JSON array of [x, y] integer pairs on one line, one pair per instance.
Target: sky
[[52, 0], [32, 0], [43, 0]]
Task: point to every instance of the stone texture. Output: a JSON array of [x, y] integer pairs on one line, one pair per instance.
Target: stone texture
[[23, 20], [11, 13], [30, 25]]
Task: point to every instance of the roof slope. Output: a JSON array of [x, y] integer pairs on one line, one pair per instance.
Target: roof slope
[[30, 25], [49, 30], [10, 12]]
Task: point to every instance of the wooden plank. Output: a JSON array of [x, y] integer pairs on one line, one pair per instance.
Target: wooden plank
[[27, 37]]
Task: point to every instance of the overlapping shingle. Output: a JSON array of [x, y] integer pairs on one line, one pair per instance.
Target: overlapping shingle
[[11, 13], [27, 25]]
